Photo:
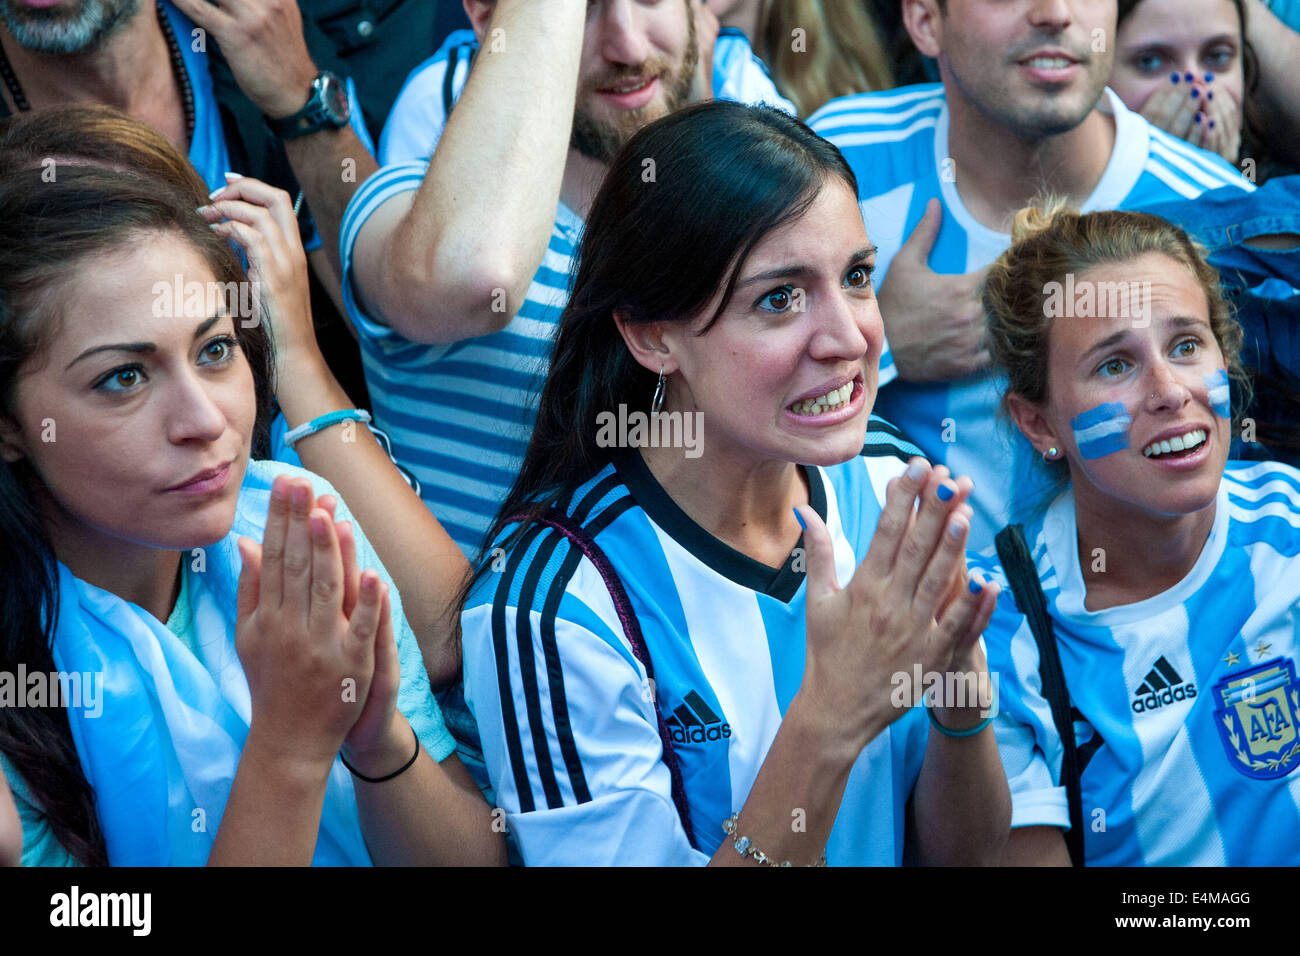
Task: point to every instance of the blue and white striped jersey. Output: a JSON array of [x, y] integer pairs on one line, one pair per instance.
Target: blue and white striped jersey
[[1185, 704], [897, 143], [566, 712], [460, 415]]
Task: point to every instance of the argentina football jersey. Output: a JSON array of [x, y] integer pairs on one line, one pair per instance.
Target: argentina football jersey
[[566, 711], [897, 143], [1185, 704]]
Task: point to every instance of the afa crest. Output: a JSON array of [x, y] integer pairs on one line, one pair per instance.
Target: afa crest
[[1257, 712]]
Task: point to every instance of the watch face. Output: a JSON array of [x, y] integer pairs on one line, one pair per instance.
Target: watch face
[[334, 98]]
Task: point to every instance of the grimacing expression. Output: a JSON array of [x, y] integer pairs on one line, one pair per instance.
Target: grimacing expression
[[1163, 37], [1157, 371], [138, 422], [70, 26], [788, 372], [1033, 68], [638, 65]]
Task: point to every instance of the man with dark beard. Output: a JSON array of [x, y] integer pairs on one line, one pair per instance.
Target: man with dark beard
[[456, 259]]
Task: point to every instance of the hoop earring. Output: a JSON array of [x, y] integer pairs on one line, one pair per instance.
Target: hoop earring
[[1051, 454], [658, 401]]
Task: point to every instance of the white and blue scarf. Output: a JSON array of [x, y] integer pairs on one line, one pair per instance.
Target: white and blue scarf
[[162, 755]]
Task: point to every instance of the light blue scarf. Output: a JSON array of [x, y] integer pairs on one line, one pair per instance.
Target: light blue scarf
[[162, 755]]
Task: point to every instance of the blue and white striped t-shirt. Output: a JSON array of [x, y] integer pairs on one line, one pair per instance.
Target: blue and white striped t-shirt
[[460, 415], [897, 144], [566, 713], [1186, 705]]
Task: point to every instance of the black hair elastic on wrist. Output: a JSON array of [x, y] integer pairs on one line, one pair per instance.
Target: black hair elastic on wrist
[[401, 770]]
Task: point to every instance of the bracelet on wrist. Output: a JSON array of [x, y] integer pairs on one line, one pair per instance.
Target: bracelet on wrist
[[948, 732], [745, 847], [325, 421], [398, 772]]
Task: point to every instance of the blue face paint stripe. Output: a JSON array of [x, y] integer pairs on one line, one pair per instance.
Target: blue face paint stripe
[[1102, 430], [1217, 383]]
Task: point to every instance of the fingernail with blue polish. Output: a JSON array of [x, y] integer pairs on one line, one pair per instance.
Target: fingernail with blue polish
[[1209, 95], [799, 518], [1211, 124], [1209, 77], [945, 493], [1195, 93], [1198, 117], [975, 586], [1188, 77], [1174, 78]]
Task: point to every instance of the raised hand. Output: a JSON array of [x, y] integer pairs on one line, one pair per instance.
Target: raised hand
[[263, 42], [899, 609], [260, 220], [934, 322]]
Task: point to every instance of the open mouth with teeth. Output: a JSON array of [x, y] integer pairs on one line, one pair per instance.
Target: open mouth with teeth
[[1048, 63], [833, 401], [1179, 445]]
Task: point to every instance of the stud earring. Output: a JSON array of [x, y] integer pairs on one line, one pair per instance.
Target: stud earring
[[1052, 454]]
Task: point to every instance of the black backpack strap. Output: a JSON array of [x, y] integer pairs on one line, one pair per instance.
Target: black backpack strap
[[632, 628], [1022, 575]]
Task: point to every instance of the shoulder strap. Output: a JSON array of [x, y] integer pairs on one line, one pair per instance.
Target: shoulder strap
[[632, 628], [1028, 592]]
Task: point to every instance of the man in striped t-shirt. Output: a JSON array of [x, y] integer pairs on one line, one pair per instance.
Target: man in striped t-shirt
[[1023, 109], [456, 267]]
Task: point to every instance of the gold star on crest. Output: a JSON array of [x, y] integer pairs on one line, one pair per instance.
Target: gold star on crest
[[1232, 658], [1261, 649]]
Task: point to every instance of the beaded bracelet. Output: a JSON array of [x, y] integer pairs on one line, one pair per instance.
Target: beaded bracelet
[[745, 847], [325, 421]]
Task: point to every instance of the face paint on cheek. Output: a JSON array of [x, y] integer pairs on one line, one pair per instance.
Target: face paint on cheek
[[1217, 383], [1102, 430]]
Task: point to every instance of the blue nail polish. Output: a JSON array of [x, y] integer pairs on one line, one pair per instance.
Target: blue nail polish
[[1209, 95], [1209, 77], [975, 586], [1211, 124], [799, 518], [1174, 78], [1188, 77], [1198, 117], [1195, 93], [945, 493]]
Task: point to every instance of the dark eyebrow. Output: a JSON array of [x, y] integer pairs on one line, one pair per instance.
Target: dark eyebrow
[[1176, 321], [800, 270], [140, 348]]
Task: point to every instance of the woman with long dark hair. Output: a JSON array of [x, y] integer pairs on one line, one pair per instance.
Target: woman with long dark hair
[[204, 635], [665, 667]]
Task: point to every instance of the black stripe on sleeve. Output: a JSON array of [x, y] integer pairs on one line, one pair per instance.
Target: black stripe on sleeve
[[528, 668], [550, 647], [505, 692], [884, 440]]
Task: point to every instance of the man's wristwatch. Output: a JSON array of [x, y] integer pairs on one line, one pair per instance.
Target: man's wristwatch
[[327, 108]]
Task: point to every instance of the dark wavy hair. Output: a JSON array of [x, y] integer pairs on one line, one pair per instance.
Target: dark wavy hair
[[683, 205], [90, 206]]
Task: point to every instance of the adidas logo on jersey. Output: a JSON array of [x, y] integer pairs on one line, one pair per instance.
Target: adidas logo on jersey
[[694, 722], [1162, 686]]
